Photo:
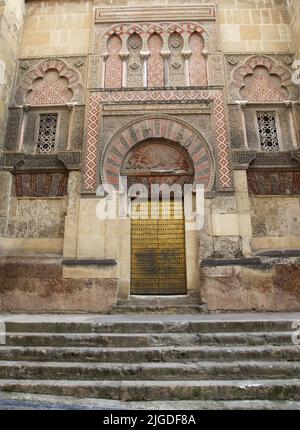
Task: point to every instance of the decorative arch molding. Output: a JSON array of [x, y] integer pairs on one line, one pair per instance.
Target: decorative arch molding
[[222, 152], [163, 127], [64, 73], [146, 30], [272, 66]]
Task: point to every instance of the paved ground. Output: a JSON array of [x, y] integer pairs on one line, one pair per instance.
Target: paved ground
[[16, 401]]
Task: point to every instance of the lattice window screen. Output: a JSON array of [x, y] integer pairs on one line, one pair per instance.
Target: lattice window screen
[[268, 133], [47, 133]]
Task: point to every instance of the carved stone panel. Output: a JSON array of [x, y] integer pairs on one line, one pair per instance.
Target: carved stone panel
[[176, 63], [274, 182], [213, 98], [50, 81], [50, 89], [135, 62], [260, 86], [171, 162], [40, 184], [260, 78]]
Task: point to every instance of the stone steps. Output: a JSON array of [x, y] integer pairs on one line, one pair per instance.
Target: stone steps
[[151, 358], [159, 309], [173, 300], [149, 371], [255, 389], [150, 354], [147, 339], [158, 324]]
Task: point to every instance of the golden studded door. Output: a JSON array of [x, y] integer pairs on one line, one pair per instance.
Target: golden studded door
[[158, 264]]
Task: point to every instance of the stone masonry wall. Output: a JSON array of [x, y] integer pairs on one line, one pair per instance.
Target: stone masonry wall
[[56, 28], [295, 25], [63, 28], [255, 25], [275, 222], [11, 23]]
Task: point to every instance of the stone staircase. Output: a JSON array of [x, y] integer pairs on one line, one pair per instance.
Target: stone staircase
[[186, 304], [194, 360]]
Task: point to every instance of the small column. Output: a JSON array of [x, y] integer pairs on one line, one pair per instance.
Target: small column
[[145, 55], [205, 55], [165, 53], [103, 70], [124, 54], [186, 58], [23, 121], [186, 54], [242, 105], [290, 107], [71, 107]]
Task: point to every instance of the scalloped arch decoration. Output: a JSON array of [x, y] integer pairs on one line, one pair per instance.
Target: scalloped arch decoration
[[148, 29], [272, 67], [52, 90]]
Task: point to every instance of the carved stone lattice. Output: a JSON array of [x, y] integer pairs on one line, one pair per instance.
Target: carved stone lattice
[[261, 86], [113, 67], [47, 133], [268, 134], [155, 62], [176, 64], [198, 74], [135, 62]]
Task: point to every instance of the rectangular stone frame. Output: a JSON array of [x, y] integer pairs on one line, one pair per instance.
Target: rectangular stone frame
[[99, 98]]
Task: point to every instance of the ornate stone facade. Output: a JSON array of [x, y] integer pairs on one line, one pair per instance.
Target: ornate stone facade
[[100, 99], [178, 93]]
